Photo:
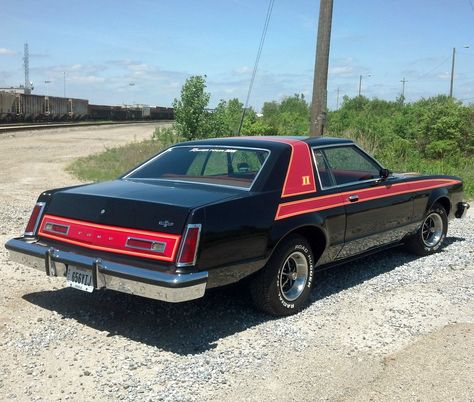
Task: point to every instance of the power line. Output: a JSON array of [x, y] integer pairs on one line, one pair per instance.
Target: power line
[[257, 59], [433, 69]]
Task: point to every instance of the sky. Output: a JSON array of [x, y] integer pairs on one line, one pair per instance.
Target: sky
[[142, 51]]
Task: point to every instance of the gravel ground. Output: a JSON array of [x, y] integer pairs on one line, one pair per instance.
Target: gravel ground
[[389, 327]]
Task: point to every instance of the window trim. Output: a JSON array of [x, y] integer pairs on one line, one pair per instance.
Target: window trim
[[316, 147], [199, 182], [317, 169]]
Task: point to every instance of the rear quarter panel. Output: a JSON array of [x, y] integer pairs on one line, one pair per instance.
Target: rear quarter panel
[[235, 237], [424, 199]]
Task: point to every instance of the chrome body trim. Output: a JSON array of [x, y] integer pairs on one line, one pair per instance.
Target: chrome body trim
[[124, 278], [127, 176], [38, 219]]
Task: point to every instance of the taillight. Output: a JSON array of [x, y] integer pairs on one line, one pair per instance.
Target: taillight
[[56, 228], [144, 244], [34, 219], [189, 246]]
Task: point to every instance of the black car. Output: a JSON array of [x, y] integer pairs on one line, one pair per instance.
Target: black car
[[209, 213]]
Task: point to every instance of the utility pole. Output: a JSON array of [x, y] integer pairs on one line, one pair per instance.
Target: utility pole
[[452, 70], [319, 101], [403, 87], [452, 73], [337, 100], [360, 82], [64, 82]]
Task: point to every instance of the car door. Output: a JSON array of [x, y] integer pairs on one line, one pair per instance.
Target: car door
[[376, 213]]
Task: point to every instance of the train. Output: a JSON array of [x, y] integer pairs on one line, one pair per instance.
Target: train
[[20, 107]]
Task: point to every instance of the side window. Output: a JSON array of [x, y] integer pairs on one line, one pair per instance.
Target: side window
[[349, 165], [323, 169]]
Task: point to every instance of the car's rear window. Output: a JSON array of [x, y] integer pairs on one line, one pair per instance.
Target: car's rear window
[[236, 167]]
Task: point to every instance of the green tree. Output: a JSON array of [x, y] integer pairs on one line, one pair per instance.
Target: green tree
[[257, 127], [271, 111], [234, 114], [190, 110], [215, 122], [293, 116], [290, 117], [443, 127]]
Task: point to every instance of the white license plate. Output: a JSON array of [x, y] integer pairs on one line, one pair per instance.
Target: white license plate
[[80, 279]]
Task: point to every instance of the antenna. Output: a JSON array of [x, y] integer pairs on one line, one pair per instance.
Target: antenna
[[26, 64]]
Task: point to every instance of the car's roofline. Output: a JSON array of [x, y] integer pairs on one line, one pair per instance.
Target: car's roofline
[[267, 141]]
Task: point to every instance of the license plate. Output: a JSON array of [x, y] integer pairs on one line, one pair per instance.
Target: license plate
[[80, 279]]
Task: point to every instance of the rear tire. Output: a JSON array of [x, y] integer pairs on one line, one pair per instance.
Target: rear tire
[[430, 236], [283, 286]]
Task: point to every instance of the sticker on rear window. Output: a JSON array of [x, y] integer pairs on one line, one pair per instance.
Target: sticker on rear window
[[212, 150]]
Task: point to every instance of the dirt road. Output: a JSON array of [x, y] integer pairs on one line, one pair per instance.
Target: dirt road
[[391, 327], [31, 160]]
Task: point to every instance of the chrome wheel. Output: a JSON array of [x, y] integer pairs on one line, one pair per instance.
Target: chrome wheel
[[294, 276], [432, 230]]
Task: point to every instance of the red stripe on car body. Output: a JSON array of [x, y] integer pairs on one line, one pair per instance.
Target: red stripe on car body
[[110, 238], [288, 209]]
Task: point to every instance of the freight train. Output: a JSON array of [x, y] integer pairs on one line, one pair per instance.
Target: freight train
[[18, 107]]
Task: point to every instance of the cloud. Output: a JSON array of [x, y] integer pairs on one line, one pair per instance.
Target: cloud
[[346, 68], [87, 79], [268, 86], [349, 37], [341, 71], [444, 76], [6, 52], [243, 70]]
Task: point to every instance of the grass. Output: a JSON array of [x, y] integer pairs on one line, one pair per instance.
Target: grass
[[113, 162]]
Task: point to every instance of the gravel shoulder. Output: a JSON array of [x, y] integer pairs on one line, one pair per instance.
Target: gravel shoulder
[[389, 327]]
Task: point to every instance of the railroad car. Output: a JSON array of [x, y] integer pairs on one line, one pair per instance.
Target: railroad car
[[16, 107], [30, 108]]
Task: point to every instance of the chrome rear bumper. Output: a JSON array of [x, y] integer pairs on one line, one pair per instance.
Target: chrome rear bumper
[[461, 210], [111, 275]]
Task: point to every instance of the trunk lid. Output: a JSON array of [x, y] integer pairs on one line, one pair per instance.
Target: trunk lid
[[151, 205]]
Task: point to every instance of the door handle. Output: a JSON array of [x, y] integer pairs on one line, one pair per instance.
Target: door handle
[[353, 198]]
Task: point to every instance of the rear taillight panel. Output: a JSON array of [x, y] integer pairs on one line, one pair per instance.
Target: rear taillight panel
[[114, 239], [189, 246], [35, 218], [145, 244]]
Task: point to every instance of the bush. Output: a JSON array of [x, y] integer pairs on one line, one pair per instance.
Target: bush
[[290, 117], [434, 135], [166, 136]]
